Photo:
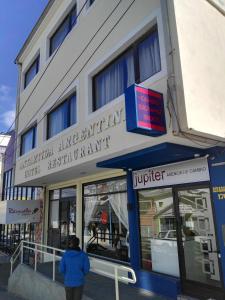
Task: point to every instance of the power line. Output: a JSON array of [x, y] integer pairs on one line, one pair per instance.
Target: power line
[[63, 75], [47, 66], [87, 61]]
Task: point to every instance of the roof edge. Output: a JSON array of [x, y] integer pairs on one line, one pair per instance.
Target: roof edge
[[34, 30]]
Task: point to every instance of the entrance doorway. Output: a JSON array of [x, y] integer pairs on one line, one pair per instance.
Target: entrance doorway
[[178, 238], [199, 265], [62, 217]]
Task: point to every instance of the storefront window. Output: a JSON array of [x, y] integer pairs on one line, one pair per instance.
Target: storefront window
[[106, 219], [158, 231]]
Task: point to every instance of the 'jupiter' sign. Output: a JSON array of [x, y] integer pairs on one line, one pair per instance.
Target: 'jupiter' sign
[[186, 172]]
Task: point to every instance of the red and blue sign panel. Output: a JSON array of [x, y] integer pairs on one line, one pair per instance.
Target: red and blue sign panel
[[144, 111]]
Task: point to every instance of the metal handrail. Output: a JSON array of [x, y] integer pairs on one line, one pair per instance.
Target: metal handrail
[[117, 267], [15, 255]]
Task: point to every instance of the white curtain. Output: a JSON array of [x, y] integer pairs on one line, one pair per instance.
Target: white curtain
[[149, 56], [90, 203], [119, 205], [112, 82]]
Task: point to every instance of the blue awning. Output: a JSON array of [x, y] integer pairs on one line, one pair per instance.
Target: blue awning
[[161, 154]]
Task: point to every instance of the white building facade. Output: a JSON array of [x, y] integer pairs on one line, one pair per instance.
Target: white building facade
[[148, 196]]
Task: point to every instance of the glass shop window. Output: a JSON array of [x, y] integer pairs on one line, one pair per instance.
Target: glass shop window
[[106, 232], [158, 231]]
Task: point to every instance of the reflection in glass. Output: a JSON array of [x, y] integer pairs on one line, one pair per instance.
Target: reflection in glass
[[158, 231], [106, 219]]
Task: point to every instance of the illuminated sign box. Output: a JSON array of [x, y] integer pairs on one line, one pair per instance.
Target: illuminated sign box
[[144, 111]]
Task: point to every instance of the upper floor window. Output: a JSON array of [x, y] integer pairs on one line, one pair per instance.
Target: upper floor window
[[28, 140], [31, 72], [62, 117], [63, 29], [136, 64]]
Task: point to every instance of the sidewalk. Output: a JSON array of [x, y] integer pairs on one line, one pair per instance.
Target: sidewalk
[[4, 295], [4, 274]]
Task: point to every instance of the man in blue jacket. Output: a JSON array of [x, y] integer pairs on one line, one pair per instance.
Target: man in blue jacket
[[74, 265]]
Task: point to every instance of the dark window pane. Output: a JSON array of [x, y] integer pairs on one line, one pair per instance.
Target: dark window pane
[[15, 195], [149, 56], [31, 72]]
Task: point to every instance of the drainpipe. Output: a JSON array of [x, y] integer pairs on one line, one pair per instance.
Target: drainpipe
[[16, 116]]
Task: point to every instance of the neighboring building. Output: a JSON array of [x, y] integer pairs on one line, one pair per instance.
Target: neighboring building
[[4, 140], [139, 192], [12, 233]]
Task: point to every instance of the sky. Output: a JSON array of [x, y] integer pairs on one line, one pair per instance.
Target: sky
[[17, 18]]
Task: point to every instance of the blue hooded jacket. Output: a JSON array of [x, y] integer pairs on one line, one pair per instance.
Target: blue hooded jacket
[[74, 265]]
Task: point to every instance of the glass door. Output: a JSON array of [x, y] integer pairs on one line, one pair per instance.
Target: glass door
[[197, 243], [62, 216]]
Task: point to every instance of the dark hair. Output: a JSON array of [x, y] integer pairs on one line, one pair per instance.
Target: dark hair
[[74, 242]]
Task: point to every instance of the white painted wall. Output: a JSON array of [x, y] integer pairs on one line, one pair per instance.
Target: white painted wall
[[137, 21], [201, 51]]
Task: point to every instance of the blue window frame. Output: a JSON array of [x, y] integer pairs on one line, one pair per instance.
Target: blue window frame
[[136, 64], [62, 117], [28, 140], [63, 29], [31, 72]]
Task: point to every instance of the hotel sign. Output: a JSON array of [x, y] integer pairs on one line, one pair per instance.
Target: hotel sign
[[144, 111], [186, 172], [19, 211]]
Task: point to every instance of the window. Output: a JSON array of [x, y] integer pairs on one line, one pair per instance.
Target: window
[[139, 62], [158, 231], [28, 140], [31, 72], [62, 31], [62, 117], [106, 219]]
